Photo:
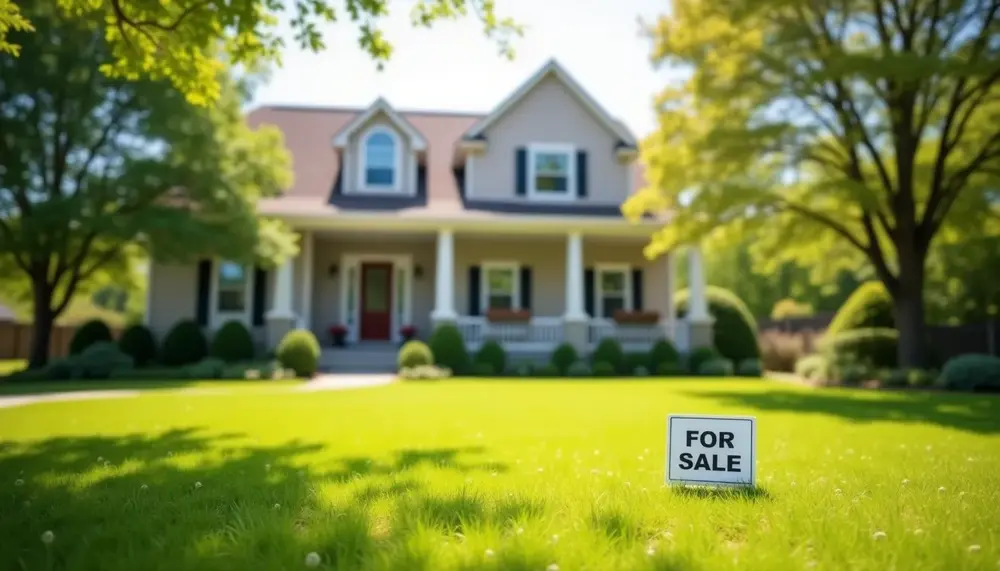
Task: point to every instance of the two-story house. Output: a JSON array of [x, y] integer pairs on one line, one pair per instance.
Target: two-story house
[[421, 218]]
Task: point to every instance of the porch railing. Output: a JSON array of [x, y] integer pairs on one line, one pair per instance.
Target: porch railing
[[539, 333], [633, 337]]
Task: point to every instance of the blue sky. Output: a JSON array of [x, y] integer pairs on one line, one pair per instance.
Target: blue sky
[[454, 67]]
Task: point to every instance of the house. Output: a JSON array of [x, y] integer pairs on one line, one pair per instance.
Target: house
[[506, 224]]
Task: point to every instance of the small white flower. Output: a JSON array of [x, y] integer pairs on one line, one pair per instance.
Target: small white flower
[[144, 487], [48, 537], [494, 474], [597, 452], [555, 538], [650, 551], [972, 548], [552, 567], [640, 458], [520, 530], [100, 458], [488, 553], [19, 482], [918, 531], [540, 469], [312, 559], [941, 490], [277, 506], [878, 535], [628, 484], [905, 481], [793, 484], [837, 491], [197, 485]]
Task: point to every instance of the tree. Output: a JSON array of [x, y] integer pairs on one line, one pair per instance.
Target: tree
[[179, 40], [840, 129], [93, 167]]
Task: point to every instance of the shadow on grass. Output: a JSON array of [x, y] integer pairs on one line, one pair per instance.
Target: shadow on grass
[[194, 500], [754, 493], [974, 413], [20, 388]]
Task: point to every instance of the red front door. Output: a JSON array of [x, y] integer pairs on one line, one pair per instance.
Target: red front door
[[376, 302]]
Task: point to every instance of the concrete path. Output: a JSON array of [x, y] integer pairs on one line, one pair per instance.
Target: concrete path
[[327, 382]]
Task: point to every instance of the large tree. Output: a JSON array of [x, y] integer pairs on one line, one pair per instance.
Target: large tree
[[179, 40], [92, 167], [835, 127]]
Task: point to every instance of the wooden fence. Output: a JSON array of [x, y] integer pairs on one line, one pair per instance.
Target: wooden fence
[[15, 340]]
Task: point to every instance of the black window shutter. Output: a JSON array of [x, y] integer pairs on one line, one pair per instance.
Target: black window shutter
[[259, 296], [474, 290], [521, 171], [581, 174], [526, 287], [637, 303], [588, 291], [204, 291]]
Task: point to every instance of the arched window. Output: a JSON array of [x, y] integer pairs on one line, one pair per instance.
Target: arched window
[[380, 156]]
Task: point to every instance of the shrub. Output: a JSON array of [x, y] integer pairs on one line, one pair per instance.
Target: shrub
[[98, 361], [701, 355], [663, 351], [523, 370], [813, 368], [787, 307], [59, 370], [780, 351], [232, 343], [493, 354], [208, 368], [868, 307], [424, 372], [873, 348], [483, 369], [448, 348], [604, 369], [749, 368], [920, 378], [137, 342], [894, 378], [851, 374], [546, 371], [610, 352], [563, 358], [578, 369], [972, 372], [735, 329], [414, 354], [184, 344], [299, 351], [91, 332], [716, 368], [640, 371], [670, 370], [633, 361]]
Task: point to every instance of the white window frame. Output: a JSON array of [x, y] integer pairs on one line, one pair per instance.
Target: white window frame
[[570, 151], [350, 279], [218, 317], [484, 283], [397, 175], [601, 269]]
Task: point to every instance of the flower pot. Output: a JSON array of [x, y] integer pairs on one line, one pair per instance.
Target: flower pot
[[636, 317], [508, 315]]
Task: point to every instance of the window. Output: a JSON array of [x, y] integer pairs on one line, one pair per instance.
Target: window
[[381, 160], [613, 291], [552, 171], [500, 286], [231, 292]]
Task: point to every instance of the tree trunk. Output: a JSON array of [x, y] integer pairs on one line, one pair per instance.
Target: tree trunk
[[909, 308], [42, 322]]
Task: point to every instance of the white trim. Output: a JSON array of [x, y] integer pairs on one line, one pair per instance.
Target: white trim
[[417, 140], [563, 148], [397, 160], [306, 259], [468, 175], [484, 288], [398, 261], [624, 269], [217, 318], [553, 67]]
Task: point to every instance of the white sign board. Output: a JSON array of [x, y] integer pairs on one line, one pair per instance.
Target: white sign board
[[711, 450]]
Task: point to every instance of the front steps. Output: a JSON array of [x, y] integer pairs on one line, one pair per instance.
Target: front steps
[[365, 357]]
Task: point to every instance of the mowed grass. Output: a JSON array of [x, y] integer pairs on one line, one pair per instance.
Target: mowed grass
[[513, 475]]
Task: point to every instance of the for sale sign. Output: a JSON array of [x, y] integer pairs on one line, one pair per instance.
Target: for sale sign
[[711, 450]]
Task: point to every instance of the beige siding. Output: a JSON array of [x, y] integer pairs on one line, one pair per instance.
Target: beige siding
[[352, 179], [654, 273], [173, 296], [549, 114]]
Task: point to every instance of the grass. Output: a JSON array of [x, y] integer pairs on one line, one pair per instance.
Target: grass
[[509, 475], [11, 366]]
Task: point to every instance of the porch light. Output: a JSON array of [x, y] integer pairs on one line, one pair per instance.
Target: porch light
[[333, 270], [418, 271]]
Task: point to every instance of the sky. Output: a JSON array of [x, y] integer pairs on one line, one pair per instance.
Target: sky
[[454, 67]]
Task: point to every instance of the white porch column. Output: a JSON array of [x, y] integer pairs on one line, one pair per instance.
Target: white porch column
[[574, 278], [444, 278], [281, 300], [670, 320], [307, 279], [698, 305]]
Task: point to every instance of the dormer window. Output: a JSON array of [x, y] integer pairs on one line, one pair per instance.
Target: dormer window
[[551, 171], [381, 159]]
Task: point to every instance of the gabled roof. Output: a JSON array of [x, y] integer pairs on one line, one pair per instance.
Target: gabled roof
[[552, 67], [380, 105]]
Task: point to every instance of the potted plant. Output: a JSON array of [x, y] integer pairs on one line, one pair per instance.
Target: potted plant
[[508, 315], [339, 334], [408, 332], [623, 317]]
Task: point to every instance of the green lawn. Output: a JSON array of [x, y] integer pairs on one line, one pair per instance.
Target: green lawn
[[10, 366], [521, 475]]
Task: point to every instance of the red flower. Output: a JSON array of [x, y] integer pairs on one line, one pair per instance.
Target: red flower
[[338, 330], [408, 331]]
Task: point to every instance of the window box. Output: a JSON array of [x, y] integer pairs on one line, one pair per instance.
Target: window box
[[636, 317], [508, 315]]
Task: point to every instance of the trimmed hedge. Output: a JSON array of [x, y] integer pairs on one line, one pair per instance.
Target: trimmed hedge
[[578, 369], [414, 354], [749, 368], [663, 351], [483, 369], [563, 358], [735, 329], [137, 341], [870, 306], [299, 351], [493, 354], [972, 372], [716, 368], [232, 343], [184, 344], [701, 355], [90, 333], [610, 351], [873, 348], [449, 351], [813, 368], [604, 369]]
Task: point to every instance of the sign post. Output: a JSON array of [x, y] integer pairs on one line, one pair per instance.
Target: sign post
[[711, 450]]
